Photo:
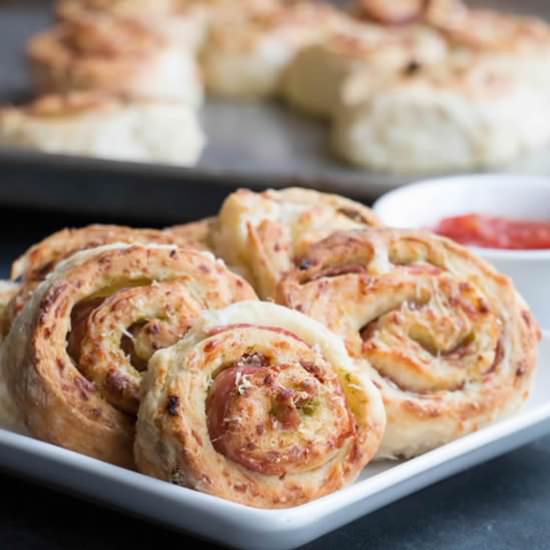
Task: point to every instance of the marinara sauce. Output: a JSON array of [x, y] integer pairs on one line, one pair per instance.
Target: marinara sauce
[[496, 232]]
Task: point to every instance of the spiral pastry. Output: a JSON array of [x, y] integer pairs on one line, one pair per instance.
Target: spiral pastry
[[356, 62], [486, 30], [9, 416], [179, 20], [261, 234], [116, 56], [260, 405], [447, 339], [77, 352], [40, 259]]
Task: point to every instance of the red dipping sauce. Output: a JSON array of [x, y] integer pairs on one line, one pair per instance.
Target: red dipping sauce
[[495, 232]]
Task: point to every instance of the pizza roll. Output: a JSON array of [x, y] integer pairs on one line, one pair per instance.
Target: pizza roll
[[261, 234], [8, 290], [516, 45], [465, 114], [447, 339], [318, 78], [182, 21], [260, 405], [40, 259], [10, 417], [76, 354], [116, 56]]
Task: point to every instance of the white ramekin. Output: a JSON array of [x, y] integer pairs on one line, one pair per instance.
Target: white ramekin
[[424, 204]]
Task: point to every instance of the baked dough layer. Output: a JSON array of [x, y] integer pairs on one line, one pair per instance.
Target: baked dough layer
[[246, 53], [113, 55], [9, 415], [42, 257], [98, 125], [447, 339], [31, 268], [260, 405], [466, 114], [261, 234], [75, 355], [8, 290], [181, 21], [317, 78]]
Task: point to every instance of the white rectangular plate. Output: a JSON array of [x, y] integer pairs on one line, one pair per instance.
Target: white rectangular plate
[[249, 528]]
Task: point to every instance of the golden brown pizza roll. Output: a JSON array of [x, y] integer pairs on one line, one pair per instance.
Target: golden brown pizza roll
[[113, 55], [8, 290], [9, 414], [76, 354], [485, 29], [469, 113], [261, 234], [40, 259], [182, 21], [446, 338], [483, 105], [260, 405]]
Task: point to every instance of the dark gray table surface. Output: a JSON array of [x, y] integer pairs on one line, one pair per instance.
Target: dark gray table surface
[[503, 504]]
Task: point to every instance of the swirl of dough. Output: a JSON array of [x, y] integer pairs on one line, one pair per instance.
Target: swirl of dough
[[261, 234], [180, 20], [9, 415], [72, 8], [486, 30], [513, 45], [448, 340], [116, 56], [40, 259], [76, 354], [357, 61], [260, 405], [8, 290], [248, 49]]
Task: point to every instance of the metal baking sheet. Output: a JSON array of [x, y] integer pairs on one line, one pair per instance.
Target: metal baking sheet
[[250, 144]]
